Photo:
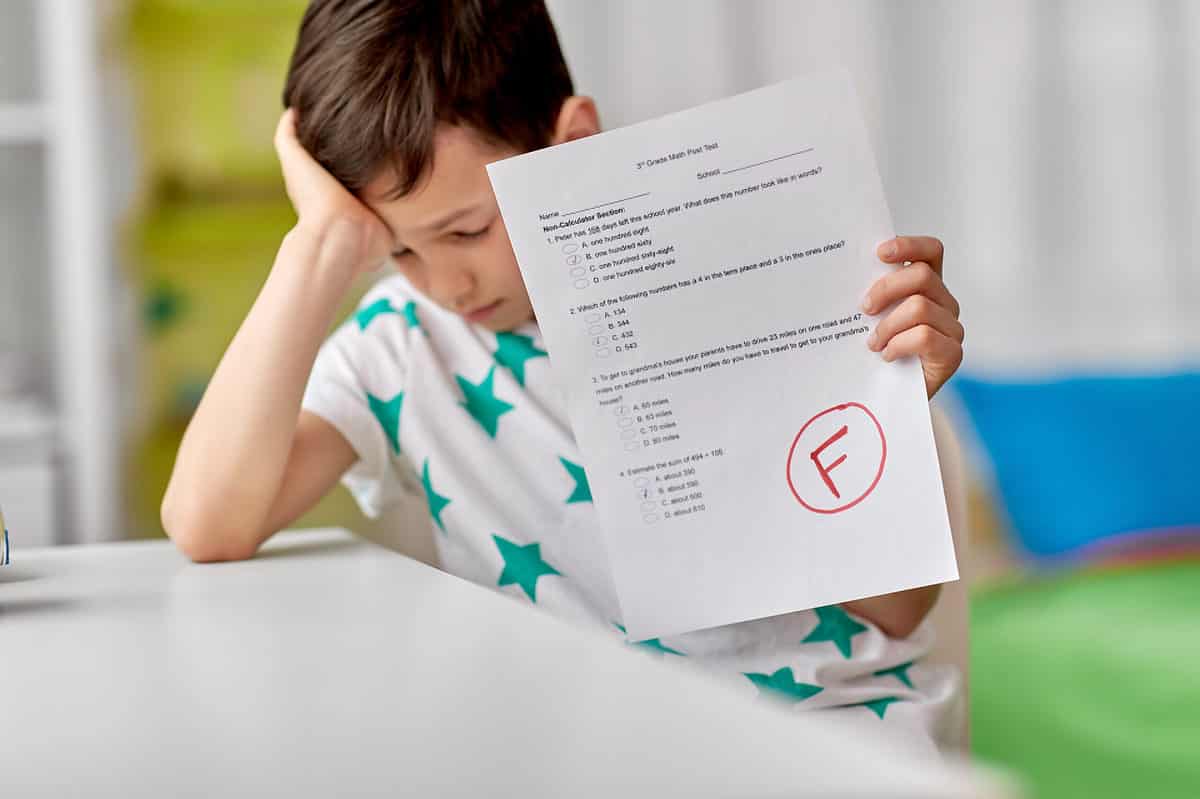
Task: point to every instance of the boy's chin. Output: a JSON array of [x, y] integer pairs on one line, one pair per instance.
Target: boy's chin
[[506, 319]]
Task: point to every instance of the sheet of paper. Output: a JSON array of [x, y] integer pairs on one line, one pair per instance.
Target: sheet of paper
[[697, 279]]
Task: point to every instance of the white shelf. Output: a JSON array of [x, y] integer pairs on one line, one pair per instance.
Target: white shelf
[[21, 123], [79, 250], [28, 470], [25, 421]]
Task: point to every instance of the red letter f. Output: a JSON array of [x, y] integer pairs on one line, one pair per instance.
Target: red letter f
[[822, 468]]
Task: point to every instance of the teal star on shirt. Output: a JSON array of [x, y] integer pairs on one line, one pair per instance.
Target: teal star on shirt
[[899, 672], [388, 414], [513, 350], [582, 492], [410, 315], [437, 502], [782, 682], [364, 316], [878, 706], [481, 401], [835, 624], [523, 565], [652, 644]]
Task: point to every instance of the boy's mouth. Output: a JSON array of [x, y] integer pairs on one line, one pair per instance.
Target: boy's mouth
[[481, 313]]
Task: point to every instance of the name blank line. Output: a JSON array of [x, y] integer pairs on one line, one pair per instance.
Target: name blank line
[[601, 205], [768, 161]]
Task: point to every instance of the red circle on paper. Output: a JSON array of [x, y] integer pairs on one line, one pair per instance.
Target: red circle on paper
[[878, 473]]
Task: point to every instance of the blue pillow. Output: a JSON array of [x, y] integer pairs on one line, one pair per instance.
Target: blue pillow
[[1089, 459]]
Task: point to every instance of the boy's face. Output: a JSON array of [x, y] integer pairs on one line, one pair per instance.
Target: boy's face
[[449, 239]]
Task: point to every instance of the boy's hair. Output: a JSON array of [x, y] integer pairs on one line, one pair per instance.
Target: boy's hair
[[372, 79]]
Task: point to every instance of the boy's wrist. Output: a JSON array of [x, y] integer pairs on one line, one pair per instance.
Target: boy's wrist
[[334, 246]]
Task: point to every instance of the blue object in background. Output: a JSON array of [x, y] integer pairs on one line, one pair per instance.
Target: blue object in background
[[1088, 459]]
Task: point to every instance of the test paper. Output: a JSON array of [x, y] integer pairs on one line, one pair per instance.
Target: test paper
[[697, 279]]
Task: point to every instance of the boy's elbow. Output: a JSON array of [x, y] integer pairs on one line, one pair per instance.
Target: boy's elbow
[[204, 540]]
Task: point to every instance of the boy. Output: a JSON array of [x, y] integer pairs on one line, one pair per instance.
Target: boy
[[441, 379]]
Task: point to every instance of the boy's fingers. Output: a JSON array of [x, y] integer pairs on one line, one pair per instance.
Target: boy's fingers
[[916, 278], [301, 172], [291, 152], [936, 350], [285, 131], [913, 248], [916, 311]]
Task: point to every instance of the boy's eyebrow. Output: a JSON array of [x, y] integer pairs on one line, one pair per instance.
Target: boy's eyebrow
[[446, 219]]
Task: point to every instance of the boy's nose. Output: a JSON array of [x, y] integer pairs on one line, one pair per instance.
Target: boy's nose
[[456, 288]]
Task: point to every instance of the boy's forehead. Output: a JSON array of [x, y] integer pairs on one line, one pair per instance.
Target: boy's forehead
[[457, 177]]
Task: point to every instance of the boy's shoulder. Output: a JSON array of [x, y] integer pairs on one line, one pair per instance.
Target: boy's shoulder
[[378, 332], [390, 289], [391, 299]]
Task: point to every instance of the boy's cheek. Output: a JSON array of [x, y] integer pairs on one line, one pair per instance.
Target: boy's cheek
[[521, 312]]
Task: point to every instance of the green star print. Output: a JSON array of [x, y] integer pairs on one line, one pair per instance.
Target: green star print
[[410, 315], [652, 644], [582, 492], [878, 706], [364, 316], [437, 502], [513, 350], [784, 684], [835, 625], [481, 401], [899, 672], [523, 565], [388, 414]]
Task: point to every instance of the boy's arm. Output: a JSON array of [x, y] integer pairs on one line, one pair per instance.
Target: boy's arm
[[922, 321], [896, 614], [250, 461], [319, 456]]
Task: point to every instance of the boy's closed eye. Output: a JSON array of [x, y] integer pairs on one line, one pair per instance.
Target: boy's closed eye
[[456, 235], [472, 234]]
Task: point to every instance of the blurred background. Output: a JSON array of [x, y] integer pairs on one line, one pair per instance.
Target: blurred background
[[1053, 146]]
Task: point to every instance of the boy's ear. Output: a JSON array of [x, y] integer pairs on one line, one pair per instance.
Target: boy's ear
[[577, 118]]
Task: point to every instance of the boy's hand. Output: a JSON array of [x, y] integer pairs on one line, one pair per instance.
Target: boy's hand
[[348, 230], [924, 320]]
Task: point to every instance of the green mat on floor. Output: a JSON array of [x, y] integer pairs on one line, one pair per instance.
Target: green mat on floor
[[1088, 684]]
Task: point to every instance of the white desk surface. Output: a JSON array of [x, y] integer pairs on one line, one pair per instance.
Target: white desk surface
[[330, 667]]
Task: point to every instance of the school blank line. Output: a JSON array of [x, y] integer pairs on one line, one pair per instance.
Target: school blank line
[[769, 160], [601, 205]]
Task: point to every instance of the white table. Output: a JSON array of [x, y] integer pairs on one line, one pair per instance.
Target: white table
[[330, 667]]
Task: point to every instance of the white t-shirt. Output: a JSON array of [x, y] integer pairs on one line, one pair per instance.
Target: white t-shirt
[[474, 425]]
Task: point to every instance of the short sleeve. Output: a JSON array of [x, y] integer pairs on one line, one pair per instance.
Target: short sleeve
[[357, 385]]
